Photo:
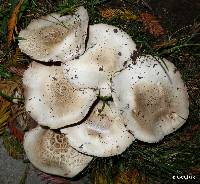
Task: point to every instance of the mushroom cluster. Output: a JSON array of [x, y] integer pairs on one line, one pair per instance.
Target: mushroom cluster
[[100, 99]]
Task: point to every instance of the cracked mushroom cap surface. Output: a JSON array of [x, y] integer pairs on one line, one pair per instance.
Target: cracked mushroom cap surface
[[103, 134], [153, 102], [55, 37], [108, 50], [50, 152], [51, 100]]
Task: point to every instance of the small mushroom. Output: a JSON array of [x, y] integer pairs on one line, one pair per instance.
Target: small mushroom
[[55, 37], [103, 134], [52, 100], [108, 50], [153, 102], [51, 153]]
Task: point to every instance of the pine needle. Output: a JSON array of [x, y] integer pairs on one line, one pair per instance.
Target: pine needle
[[13, 21], [12, 146], [25, 174]]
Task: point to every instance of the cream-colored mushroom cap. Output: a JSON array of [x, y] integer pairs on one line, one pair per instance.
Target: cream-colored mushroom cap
[[55, 37], [103, 134], [153, 102], [108, 50], [51, 100], [51, 153]]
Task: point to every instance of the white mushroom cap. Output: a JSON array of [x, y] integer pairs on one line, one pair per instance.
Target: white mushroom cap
[[55, 37], [51, 153], [153, 103], [103, 134], [108, 51], [51, 99]]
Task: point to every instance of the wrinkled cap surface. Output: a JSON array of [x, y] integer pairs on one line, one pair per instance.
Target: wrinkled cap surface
[[51, 100], [108, 50], [103, 134], [153, 102], [55, 37], [51, 153]]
